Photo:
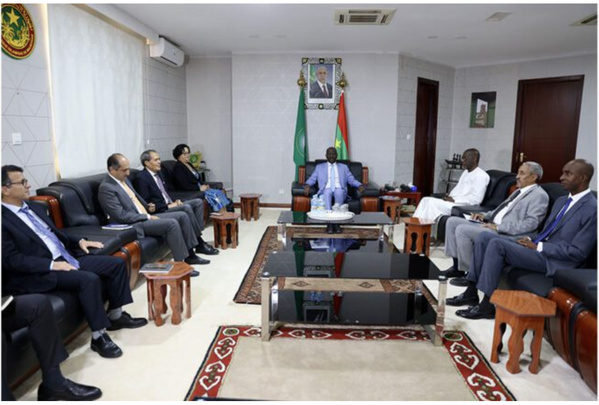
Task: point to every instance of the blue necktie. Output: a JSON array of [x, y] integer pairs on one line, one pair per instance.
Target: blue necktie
[[552, 225], [50, 235], [332, 177]]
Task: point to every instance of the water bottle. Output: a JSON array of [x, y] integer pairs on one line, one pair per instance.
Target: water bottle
[[321, 205], [314, 203]]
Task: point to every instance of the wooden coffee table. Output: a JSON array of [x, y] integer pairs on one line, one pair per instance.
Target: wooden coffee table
[[157, 284], [250, 206]]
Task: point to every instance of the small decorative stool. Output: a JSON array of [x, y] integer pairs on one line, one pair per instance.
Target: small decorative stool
[[418, 233], [226, 227], [392, 207], [157, 284], [522, 311], [250, 206]]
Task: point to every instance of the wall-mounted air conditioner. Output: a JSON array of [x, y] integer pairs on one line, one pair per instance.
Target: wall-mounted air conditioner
[[167, 53]]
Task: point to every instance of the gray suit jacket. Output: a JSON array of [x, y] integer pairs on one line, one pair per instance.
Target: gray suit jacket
[[526, 214], [118, 206], [574, 237]]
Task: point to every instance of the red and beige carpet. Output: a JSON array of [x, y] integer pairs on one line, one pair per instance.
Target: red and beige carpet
[[249, 290], [305, 363]]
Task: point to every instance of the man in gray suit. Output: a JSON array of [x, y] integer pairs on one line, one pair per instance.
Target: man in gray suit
[[566, 241], [124, 206], [521, 213]]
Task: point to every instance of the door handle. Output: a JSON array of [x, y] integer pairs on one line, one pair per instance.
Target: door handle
[[522, 156]]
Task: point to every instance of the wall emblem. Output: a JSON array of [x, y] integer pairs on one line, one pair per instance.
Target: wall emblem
[[18, 34]]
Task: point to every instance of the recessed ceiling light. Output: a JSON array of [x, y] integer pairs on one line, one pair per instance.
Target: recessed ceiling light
[[497, 17]]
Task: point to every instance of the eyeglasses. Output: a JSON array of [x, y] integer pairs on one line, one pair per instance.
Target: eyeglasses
[[23, 182], [186, 153]]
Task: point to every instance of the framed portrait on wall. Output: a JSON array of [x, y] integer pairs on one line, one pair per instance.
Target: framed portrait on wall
[[322, 90], [482, 110]]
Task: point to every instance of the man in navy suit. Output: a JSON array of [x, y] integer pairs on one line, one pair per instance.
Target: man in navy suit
[[37, 257], [151, 186], [321, 88], [569, 235]]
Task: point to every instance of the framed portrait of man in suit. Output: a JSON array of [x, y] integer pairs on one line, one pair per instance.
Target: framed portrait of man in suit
[[322, 89]]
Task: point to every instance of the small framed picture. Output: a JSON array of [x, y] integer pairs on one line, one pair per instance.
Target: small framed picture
[[482, 110], [322, 88]]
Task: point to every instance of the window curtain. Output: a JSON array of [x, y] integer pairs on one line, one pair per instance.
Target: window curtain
[[97, 91]]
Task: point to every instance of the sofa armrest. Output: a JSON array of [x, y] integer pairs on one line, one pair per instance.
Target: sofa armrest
[[53, 208], [297, 189], [215, 184], [460, 210], [370, 190]]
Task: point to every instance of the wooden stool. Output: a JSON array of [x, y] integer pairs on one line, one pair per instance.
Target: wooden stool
[[522, 311], [392, 207], [223, 222], [157, 284], [250, 206], [421, 228]]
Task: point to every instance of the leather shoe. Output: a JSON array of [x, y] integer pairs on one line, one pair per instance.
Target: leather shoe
[[330, 228], [126, 321], [105, 347], [337, 228], [461, 300], [70, 391], [459, 282], [194, 273], [196, 260], [206, 249], [477, 312], [453, 272]]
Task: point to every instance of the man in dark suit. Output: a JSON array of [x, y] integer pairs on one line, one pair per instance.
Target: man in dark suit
[[151, 186], [124, 206], [34, 311], [37, 257], [321, 88], [569, 235]]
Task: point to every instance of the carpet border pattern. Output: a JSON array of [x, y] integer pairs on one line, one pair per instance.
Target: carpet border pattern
[[478, 375]]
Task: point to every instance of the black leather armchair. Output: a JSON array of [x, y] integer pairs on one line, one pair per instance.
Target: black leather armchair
[[368, 200], [498, 189]]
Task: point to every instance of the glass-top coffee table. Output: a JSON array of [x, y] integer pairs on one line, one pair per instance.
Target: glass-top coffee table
[[365, 219], [345, 288]]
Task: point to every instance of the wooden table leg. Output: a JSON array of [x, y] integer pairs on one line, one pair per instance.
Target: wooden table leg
[[150, 289], [188, 295], [498, 332], [223, 235], [216, 233], [515, 347], [535, 346], [175, 299], [158, 300], [256, 209]]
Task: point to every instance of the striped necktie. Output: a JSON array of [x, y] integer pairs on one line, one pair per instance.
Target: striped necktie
[[134, 199], [553, 224]]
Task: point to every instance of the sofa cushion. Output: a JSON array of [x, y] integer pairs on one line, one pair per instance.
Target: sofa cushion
[[112, 240], [580, 282], [534, 282]]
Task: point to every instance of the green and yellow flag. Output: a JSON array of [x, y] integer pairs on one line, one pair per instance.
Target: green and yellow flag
[[300, 151], [341, 140]]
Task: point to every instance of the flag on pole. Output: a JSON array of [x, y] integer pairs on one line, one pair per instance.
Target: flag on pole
[[299, 145], [341, 141]]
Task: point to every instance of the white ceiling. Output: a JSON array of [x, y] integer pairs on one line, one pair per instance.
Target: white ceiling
[[453, 35]]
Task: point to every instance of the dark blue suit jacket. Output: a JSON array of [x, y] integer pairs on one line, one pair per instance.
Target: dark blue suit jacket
[[575, 236], [25, 258], [148, 189]]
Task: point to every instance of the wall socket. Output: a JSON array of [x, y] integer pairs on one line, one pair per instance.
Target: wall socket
[[17, 139], [281, 191]]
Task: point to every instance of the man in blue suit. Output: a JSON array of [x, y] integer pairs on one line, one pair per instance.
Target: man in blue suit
[[569, 235]]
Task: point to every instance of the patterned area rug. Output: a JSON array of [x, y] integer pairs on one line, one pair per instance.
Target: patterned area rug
[[456, 371], [249, 290]]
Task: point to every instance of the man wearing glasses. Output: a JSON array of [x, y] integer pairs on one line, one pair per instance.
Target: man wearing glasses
[[37, 258]]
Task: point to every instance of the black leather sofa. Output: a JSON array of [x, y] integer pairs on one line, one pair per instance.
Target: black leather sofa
[[498, 189], [368, 200]]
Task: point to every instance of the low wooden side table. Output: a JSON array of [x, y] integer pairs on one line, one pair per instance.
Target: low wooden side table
[[418, 230], [392, 207], [250, 206], [157, 284], [522, 311], [413, 197], [226, 227]]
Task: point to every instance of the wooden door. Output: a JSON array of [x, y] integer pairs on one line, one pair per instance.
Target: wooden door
[[546, 129], [425, 137]]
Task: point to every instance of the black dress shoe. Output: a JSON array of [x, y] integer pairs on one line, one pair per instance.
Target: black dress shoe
[[453, 272], [330, 228], [70, 391], [105, 347], [194, 273], [461, 300], [337, 228], [126, 321], [196, 260], [459, 282], [206, 249], [477, 312]]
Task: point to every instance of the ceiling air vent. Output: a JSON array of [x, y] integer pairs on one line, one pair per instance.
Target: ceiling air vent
[[364, 17], [590, 20]]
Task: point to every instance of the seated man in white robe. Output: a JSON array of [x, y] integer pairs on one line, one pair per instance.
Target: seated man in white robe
[[470, 190]]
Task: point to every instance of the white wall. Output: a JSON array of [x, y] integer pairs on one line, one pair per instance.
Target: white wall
[[209, 118], [264, 105], [496, 144], [26, 108]]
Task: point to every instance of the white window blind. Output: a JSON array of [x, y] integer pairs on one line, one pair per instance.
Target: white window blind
[[97, 90]]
